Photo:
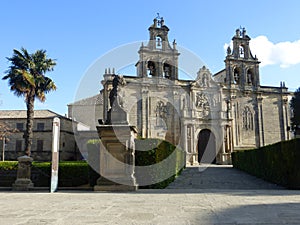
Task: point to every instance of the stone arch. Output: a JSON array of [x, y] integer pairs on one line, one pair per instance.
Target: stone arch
[[249, 76], [158, 41], [168, 68], [152, 67], [236, 76], [241, 51], [206, 146]]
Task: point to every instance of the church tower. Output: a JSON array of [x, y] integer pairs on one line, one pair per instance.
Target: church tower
[[158, 58], [242, 69]]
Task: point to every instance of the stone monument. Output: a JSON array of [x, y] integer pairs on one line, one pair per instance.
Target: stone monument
[[23, 181], [117, 147]]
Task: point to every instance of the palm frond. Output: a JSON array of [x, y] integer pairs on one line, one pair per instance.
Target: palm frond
[[27, 72]]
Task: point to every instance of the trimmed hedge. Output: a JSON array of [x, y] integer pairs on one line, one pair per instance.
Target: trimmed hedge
[[278, 163], [153, 151], [71, 173], [8, 165], [8, 173], [77, 173]]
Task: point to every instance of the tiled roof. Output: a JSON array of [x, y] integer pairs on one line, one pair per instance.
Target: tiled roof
[[21, 114]]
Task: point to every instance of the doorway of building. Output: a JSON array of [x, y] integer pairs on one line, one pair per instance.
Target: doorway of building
[[206, 147]]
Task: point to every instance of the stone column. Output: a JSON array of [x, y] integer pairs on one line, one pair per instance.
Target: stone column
[[285, 119], [117, 161], [117, 146], [185, 145], [195, 148], [159, 68], [23, 181], [145, 112], [260, 121]]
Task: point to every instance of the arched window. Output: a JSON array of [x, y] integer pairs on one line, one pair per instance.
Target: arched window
[[236, 76], [151, 68], [247, 119], [249, 78], [158, 43], [241, 51], [167, 70]]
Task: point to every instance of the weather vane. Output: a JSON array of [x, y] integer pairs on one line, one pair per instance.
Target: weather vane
[[159, 19], [158, 16]]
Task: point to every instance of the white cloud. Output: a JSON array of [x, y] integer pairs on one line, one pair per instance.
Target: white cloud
[[284, 54]]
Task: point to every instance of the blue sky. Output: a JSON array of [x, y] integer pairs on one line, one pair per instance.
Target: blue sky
[[77, 33]]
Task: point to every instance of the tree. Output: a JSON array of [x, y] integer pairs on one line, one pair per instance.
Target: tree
[[295, 106], [5, 132], [26, 78]]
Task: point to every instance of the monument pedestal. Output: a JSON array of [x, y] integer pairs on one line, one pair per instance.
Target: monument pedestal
[[23, 181], [117, 162]]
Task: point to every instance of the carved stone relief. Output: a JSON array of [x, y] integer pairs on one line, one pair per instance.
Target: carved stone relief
[[202, 104]]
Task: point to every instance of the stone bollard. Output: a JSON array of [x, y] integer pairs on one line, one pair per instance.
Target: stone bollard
[[23, 181]]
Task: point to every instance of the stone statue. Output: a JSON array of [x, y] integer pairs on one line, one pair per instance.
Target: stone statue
[[205, 81], [228, 50], [114, 93], [116, 114], [202, 101]]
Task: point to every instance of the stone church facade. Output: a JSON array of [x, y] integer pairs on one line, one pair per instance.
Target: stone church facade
[[208, 117]]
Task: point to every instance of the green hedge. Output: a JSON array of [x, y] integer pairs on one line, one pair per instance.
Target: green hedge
[[8, 165], [8, 173], [153, 151], [278, 163], [156, 151], [71, 173]]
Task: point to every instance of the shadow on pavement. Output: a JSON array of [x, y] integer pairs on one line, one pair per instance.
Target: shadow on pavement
[[277, 213]]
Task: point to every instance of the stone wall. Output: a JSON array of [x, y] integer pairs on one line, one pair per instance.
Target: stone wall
[[68, 146]]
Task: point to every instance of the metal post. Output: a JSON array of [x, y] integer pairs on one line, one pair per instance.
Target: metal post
[[55, 154]]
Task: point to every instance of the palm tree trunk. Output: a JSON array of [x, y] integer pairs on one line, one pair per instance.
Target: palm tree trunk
[[29, 122]]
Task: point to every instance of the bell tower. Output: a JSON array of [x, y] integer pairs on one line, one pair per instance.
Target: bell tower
[[158, 58], [242, 69]]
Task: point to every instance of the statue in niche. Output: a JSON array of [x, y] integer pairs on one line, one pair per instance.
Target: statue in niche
[[205, 81], [213, 100], [203, 77], [161, 112], [161, 109]]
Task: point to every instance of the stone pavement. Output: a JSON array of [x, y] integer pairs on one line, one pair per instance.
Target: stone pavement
[[232, 204], [212, 176]]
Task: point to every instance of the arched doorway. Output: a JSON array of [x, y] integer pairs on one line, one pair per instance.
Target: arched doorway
[[206, 147]]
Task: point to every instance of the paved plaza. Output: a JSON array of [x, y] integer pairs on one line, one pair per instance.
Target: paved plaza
[[242, 199]]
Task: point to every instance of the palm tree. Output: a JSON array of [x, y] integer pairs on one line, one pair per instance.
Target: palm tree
[[26, 78]]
